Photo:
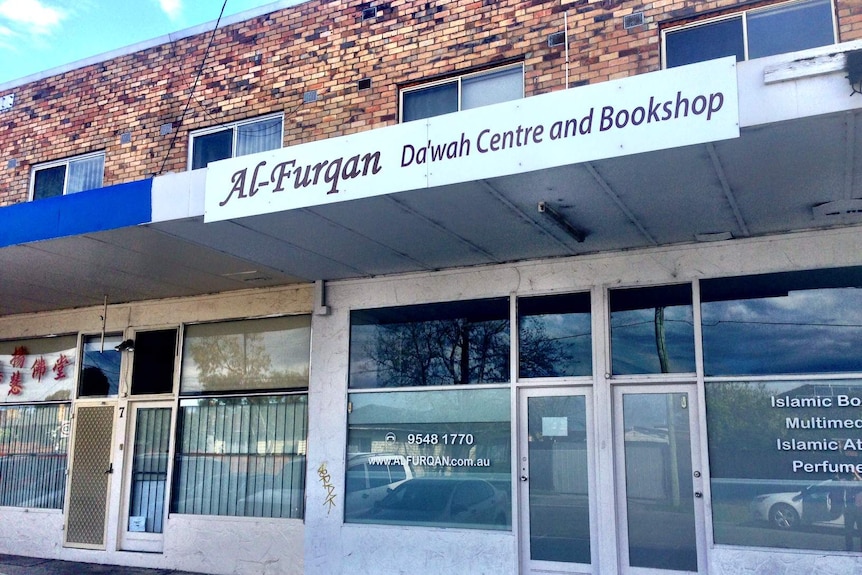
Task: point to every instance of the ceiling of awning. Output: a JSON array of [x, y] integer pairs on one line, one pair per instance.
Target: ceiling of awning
[[765, 182]]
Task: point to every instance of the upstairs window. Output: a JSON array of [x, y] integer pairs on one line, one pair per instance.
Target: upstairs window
[[235, 139], [462, 93], [67, 176], [756, 33]]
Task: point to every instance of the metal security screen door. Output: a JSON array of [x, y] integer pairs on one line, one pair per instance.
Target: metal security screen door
[[553, 464], [146, 481], [90, 479], [658, 482]]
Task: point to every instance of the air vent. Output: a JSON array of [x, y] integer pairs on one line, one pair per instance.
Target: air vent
[[310, 96], [364, 84], [13, 163], [125, 137], [633, 20], [166, 129], [556, 39], [839, 209], [6, 102], [369, 13]]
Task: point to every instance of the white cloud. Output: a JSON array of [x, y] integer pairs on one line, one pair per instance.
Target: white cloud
[[172, 8], [30, 17]]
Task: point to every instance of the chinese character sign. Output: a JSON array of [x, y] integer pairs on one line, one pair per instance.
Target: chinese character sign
[[38, 369]]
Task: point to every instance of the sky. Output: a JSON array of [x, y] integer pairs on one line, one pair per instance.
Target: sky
[[38, 35]]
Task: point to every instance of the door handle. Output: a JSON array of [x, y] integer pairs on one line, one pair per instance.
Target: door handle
[[698, 494], [110, 469], [523, 478]]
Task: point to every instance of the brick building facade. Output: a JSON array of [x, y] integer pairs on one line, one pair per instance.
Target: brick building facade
[[266, 63], [484, 286]]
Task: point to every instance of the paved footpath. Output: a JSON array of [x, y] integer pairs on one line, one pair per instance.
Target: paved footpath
[[17, 565]]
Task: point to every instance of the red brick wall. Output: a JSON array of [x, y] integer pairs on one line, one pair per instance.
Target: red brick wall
[[265, 65]]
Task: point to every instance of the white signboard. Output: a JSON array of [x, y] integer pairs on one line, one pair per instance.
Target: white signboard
[[667, 109]]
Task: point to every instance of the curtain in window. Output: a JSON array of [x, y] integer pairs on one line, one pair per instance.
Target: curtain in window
[[85, 174], [492, 88], [258, 136], [241, 456], [33, 447]]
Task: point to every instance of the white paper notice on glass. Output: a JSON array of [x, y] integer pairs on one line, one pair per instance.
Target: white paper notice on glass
[[555, 426]]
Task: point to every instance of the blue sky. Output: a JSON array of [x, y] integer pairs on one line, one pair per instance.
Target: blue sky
[[37, 35]]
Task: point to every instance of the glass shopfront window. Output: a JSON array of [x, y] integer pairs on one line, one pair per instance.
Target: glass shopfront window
[[453, 343], [100, 366], [795, 322], [432, 458], [652, 330], [785, 446], [786, 463], [243, 455], [37, 380], [555, 336], [421, 457]]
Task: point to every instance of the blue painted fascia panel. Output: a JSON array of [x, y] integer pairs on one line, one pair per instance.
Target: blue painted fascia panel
[[85, 212]]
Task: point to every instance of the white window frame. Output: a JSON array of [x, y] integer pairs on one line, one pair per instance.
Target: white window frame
[[233, 126], [64, 162], [743, 14], [458, 79]]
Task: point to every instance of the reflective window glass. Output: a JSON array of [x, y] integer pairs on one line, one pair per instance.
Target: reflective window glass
[[258, 136], [68, 176], [794, 322], [785, 463], [705, 42], [236, 139], [38, 369], [100, 366], [492, 88], [776, 29], [34, 442], [241, 456], [260, 354], [208, 148], [434, 458], [554, 336], [49, 182], [558, 479], [462, 93], [154, 355], [455, 343], [430, 101], [790, 27], [85, 174], [652, 330]]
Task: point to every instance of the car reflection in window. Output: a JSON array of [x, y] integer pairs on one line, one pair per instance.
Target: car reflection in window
[[457, 502], [819, 505]]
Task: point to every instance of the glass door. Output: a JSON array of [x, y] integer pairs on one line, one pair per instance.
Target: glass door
[[658, 479], [146, 479], [553, 466]]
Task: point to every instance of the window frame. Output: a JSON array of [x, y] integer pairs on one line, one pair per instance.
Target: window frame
[[456, 79], [236, 498], [234, 127], [65, 162], [743, 16]]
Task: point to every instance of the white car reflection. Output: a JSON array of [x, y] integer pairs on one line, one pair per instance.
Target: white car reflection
[[444, 501], [371, 477], [820, 504]]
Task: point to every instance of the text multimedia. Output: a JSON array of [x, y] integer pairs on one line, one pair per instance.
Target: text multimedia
[[328, 171]]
